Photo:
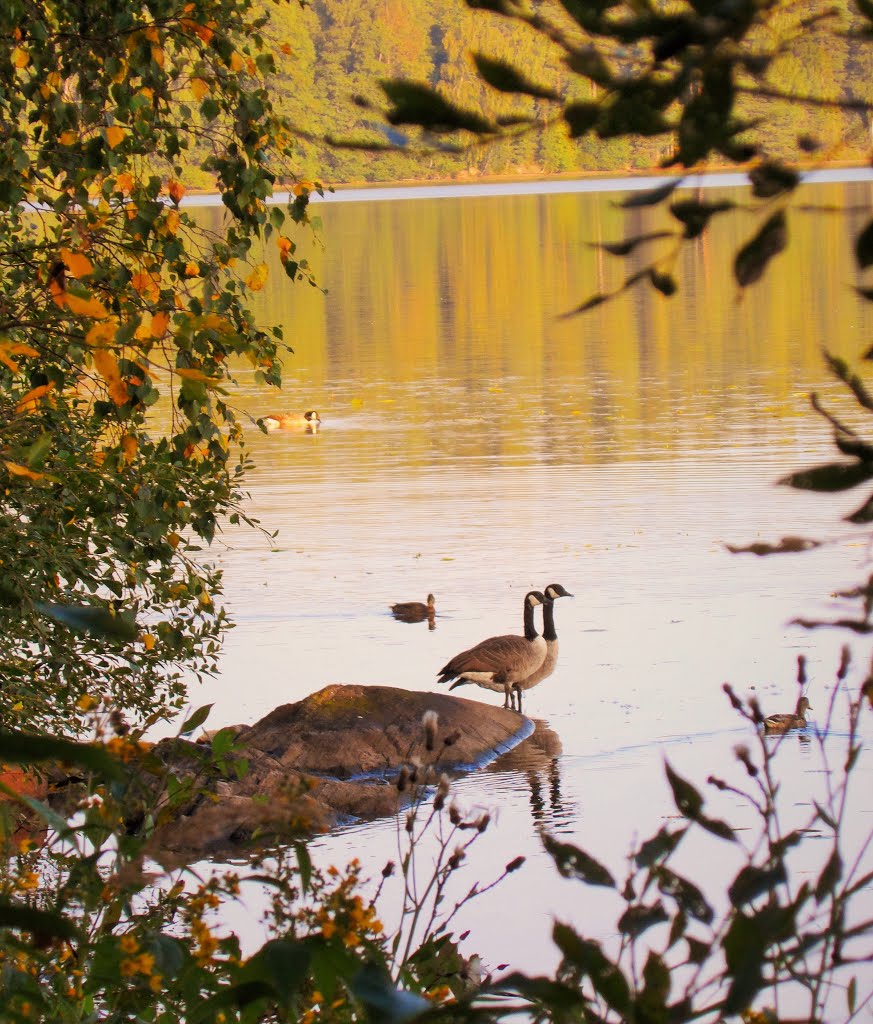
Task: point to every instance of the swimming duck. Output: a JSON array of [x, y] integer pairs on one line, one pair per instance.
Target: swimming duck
[[784, 722], [414, 611], [500, 661], [309, 420], [551, 593]]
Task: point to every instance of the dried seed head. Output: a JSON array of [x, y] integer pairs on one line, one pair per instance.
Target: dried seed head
[[718, 783], [514, 865], [454, 815], [801, 669], [736, 703], [402, 779], [116, 720], [410, 822], [755, 708], [388, 870], [456, 858], [482, 823], [429, 721], [743, 755], [845, 661]]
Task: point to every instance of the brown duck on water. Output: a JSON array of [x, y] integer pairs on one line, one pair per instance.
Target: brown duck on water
[[414, 611], [784, 722], [500, 661]]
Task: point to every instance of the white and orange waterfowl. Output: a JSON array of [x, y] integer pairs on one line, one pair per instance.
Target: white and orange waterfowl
[[309, 420]]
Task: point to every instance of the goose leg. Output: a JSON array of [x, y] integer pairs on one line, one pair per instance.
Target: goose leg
[[518, 698]]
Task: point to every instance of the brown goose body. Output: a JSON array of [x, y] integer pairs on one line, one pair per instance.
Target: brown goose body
[[500, 661], [784, 722], [309, 420], [414, 611], [551, 593]]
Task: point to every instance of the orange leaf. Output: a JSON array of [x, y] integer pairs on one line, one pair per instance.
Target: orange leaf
[[77, 264], [124, 182], [68, 137], [17, 470], [114, 135], [160, 322], [101, 333], [192, 270], [107, 365], [86, 307], [31, 400], [236, 62], [129, 446], [199, 88], [176, 190], [20, 57], [146, 284]]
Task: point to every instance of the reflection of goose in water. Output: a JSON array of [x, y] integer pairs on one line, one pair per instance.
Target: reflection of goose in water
[[784, 722], [500, 661], [415, 611], [535, 763], [309, 421], [552, 592]]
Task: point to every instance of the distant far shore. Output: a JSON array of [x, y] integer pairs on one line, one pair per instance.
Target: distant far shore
[[628, 181]]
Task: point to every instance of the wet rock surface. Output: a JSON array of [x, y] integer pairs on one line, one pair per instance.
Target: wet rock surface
[[330, 758]]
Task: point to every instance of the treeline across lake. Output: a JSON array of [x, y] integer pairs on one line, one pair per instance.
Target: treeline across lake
[[332, 54]]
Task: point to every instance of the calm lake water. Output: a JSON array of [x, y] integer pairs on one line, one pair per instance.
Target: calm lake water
[[475, 444]]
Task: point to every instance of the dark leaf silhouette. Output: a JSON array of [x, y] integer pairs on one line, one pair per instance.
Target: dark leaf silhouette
[[636, 920], [581, 118], [772, 179], [835, 476], [606, 978], [694, 215], [652, 196], [575, 863], [752, 259], [627, 246], [505, 78], [664, 283], [416, 103], [864, 247]]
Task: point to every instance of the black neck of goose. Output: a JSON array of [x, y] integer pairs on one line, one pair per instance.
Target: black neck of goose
[[549, 621], [530, 630]]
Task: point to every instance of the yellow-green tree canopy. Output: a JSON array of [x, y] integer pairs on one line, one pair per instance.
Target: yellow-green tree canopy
[[111, 297]]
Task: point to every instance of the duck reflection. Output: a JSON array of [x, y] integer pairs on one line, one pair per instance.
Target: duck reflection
[[537, 761]]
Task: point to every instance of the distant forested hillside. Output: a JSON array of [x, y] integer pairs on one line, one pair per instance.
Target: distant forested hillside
[[333, 53]]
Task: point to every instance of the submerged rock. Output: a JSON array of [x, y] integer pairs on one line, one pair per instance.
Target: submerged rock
[[330, 758]]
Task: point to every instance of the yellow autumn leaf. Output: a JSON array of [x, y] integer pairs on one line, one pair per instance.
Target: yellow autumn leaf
[[91, 307], [190, 374], [32, 399], [15, 469], [86, 702], [236, 62], [158, 55], [101, 333], [124, 182], [173, 539], [148, 641], [200, 88], [107, 365], [68, 137], [114, 135], [192, 270], [18, 706], [258, 277], [78, 264], [171, 221], [8, 349], [20, 57]]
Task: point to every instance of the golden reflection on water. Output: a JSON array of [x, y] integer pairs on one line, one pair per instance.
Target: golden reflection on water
[[475, 445]]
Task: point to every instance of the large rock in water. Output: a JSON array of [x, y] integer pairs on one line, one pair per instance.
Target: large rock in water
[[330, 758]]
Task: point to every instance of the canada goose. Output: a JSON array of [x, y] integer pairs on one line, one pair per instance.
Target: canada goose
[[500, 661], [551, 593], [782, 723], [414, 611], [309, 420]]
